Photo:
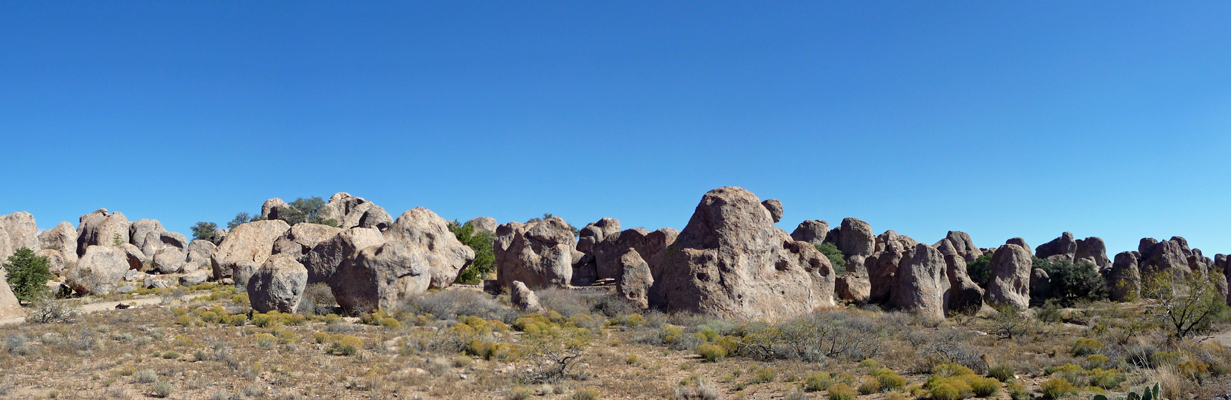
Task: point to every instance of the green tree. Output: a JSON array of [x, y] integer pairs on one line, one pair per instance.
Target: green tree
[[834, 255], [1072, 281], [305, 210], [240, 219], [204, 230], [980, 270], [27, 274], [1189, 303], [484, 257]]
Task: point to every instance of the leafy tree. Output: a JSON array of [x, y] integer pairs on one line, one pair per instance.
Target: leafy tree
[[1072, 282], [240, 219], [834, 255], [1189, 302], [204, 230], [484, 257], [27, 274], [980, 270], [305, 210]]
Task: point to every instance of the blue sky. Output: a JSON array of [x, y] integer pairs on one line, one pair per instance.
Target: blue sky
[[1001, 119]]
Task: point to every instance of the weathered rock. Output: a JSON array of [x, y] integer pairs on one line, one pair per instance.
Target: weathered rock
[[154, 283], [278, 285], [169, 260], [21, 229], [140, 229], [731, 261], [194, 278], [429, 234], [484, 224], [1124, 278], [152, 244], [595, 232], [302, 238], [635, 281], [198, 254], [811, 231], [1063, 246], [963, 245], [854, 285], [1020, 242], [136, 258], [1010, 281], [62, 238], [99, 270], [538, 254], [9, 306], [219, 235], [1166, 256], [883, 266], [651, 246], [101, 229], [775, 209], [1093, 248], [856, 238], [6, 249], [325, 257], [55, 260], [523, 298], [350, 211], [380, 276], [965, 296], [271, 208], [246, 248], [174, 239], [1040, 284], [922, 282], [1145, 245]]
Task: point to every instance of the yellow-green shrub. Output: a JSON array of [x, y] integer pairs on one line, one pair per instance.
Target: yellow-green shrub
[[888, 379], [984, 387], [841, 392], [711, 352], [1086, 346], [344, 345], [1056, 388]]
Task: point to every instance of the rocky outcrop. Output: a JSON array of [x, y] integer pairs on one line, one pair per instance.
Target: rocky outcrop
[[271, 208], [174, 239], [604, 241], [962, 245], [1170, 255], [101, 228], [965, 296], [538, 254], [21, 229], [882, 267], [596, 232], [61, 238], [6, 248], [350, 211], [1010, 281], [731, 261], [9, 306], [380, 277], [636, 279], [775, 209], [136, 258], [1124, 277], [169, 260], [219, 235], [55, 260], [856, 238], [523, 298], [854, 285], [1061, 248], [811, 231], [1093, 248], [302, 238], [278, 285], [1020, 242], [326, 257], [198, 255], [922, 282], [139, 231], [1040, 284], [429, 234], [484, 224], [194, 278], [246, 248], [99, 270]]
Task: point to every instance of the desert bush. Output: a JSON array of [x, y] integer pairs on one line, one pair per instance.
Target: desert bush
[[984, 387], [1189, 303], [834, 255], [1086, 346], [344, 345], [317, 300], [145, 376], [841, 392], [1018, 392], [711, 353], [484, 257], [45, 309], [814, 337], [1074, 374], [1002, 372], [980, 270], [1009, 322], [1106, 378], [1056, 388], [305, 210], [163, 389], [869, 386], [585, 394], [1072, 281], [203, 230], [817, 381], [888, 379], [27, 274], [449, 304]]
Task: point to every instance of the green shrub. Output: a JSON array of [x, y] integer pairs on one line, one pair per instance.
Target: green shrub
[[1096, 361], [980, 270], [1072, 281], [27, 274], [204, 231], [869, 386], [484, 257], [1002, 372], [1106, 378], [945, 391], [585, 394], [1056, 388], [711, 352], [1086, 346], [835, 257], [841, 392], [888, 379], [1018, 392], [984, 387], [817, 381]]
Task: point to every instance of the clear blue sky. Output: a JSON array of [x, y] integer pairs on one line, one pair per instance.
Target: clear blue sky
[[1001, 119]]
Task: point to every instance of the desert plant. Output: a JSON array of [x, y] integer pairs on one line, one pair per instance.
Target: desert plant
[[841, 392], [1072, 281], [46, 309], [1189, 302], [711, 352], [204, 230], [1009, 322], [484, 257], [163, 389], [980, 270], [1002, 372], [240, 219], [305, 210], [27, 274], [834, 255], [1056, 388]]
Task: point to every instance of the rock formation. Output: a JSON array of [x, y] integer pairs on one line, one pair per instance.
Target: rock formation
[[325, 257], [636, 279], [278, 284], [21, 229], [61, 238], [811, 231], [246, 248], [1124, 278], [1010, 282], [302, 238], [922, 282], [429, 235], [101, 228], [484, 224], [99, 270], [271, 208], [1061, 248], [775, 209], [523, 298], [538, 254], [964, 294], [350, 211], [1093, 248]]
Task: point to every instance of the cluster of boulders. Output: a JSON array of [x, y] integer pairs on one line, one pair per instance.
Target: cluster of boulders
[[730, 260]]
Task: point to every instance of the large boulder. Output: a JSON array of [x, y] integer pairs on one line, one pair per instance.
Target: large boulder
[[381, 277], [882, 267], [169, 260], [194, 278], [278, 285], [775, 209], [326, 257], [596, 232], [61, 238], [136, 258], [811, 231], [538, 253], [1166, 255], [271, 208], [151, 244], [1124, 277], [198, 254], [732, 262], [523, 298], [101, 228], [635, 281], [856, 238], [1064, 246], [1010, 281], [9, 306], [1093, 248], [429, 234], [350, 211], [174, 239], [219, 235], [965, 296], [302, 238], [922, 282], [6, 249], [21, 229], [55, 260], [484, 224], [854, 285], [99, 270], [607, 244], [1020, 242], [139, 231], [960, 241], [246, 248]]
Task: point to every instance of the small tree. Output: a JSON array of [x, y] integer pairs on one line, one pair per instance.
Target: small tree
[[1188, 303], [240, 219], [484, 257], [1072, 281], [204, 230], [980, 270], [834, 255], [27, 274], [305, 210]]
